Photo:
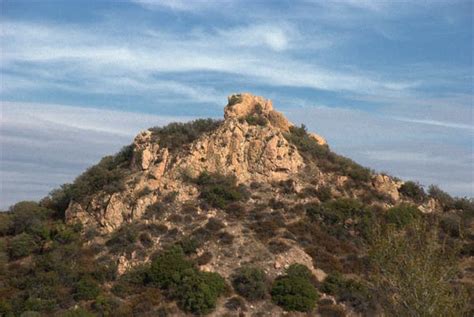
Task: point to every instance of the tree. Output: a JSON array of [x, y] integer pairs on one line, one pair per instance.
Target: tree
[[412, 272]]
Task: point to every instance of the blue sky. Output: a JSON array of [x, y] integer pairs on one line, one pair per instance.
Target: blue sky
[[388, 83]]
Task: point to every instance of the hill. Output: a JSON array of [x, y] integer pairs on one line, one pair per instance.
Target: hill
[[246, 216]]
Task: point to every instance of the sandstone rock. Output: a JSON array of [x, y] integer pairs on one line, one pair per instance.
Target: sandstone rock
[[113, 215], [319, 139], [430, 206], [242, 105], [145, 151], [75, 213], [385, 184]]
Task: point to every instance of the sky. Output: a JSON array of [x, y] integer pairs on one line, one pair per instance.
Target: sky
[[387, 83]]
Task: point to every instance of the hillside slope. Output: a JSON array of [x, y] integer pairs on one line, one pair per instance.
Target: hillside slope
[[246, 216]]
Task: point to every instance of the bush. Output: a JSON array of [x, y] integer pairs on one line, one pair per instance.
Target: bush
[[278, 246], [199, 291], [324, 193], [250, 282], [167, 270], [294, 291], [195, 291], [444, 198], [413, 190], [402, 215], [451, 224], [86, 289], [177, 134], [123, 238], [106, 176], [219, 190], [189, 245], [28, 216], [336, 211], [256, 120], [326, 160], [21, 246], [348, 290]]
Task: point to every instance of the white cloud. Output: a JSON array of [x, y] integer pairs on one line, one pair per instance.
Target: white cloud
[[87, 55], [180, 5], [438, 123]]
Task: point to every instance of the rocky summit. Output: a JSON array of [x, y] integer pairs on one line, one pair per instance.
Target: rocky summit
[[245, 216]]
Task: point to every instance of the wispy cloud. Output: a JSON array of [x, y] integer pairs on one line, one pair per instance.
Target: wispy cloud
[[180, 5], [45, 145], [438, 123], [83, 54]]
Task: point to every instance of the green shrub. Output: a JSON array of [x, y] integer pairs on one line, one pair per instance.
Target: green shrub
[[348, 290], [451, 224], [324, 193], [402, 215], [123, 238], [28, 216], [175, 135], [294, 292], [413, 190], [299, 270], [219, 190], [256, 120], [21, 246], [108, 175], [189, 245], [336, 211], [198, 291], [195, 291], [5, 223], [326, 160], [278, 246], [464, 204], [441, 196], [87, 288], [250, 282], [167, 270]]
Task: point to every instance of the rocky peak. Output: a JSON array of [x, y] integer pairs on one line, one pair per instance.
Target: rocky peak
[[245, 105]]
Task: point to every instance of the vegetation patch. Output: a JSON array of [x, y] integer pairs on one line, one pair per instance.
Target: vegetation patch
[[402, 215], [250, 282], [412, 273], [219, 190], [348, 290], [195, 291], [176, 135], [328, 161], [256, 119], [294, 291], [413, 190]]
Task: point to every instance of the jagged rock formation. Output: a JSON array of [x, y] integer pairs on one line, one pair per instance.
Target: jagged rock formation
[[253, 153]]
